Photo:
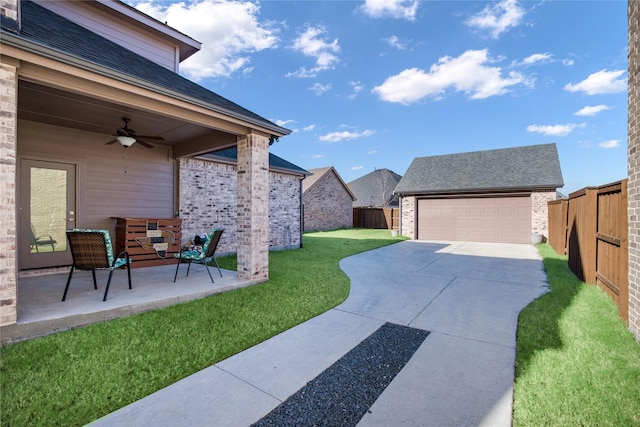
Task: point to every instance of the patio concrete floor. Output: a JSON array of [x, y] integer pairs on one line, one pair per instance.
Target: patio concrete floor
[[41, 310]]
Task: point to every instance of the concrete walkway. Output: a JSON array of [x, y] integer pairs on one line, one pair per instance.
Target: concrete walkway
[[467, 294]]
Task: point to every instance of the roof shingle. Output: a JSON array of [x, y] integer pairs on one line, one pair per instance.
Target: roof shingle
[[375, 188], [43, 27], [530, 167]]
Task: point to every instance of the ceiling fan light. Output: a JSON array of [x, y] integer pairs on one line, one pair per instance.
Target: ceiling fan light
[[126, 141]]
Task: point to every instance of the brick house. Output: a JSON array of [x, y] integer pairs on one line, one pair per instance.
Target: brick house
[[634, 168], [70, 72], [489, 196], [218, 171], [327, 201]]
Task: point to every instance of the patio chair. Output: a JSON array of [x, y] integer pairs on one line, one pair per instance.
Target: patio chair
[[204, 256], [41, 240], [92, 250]]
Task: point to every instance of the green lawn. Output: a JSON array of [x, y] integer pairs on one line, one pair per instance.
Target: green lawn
[[74, 377], [576, 363]]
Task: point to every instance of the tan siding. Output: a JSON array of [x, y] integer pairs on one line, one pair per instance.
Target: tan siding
[[120, 32], [113, 181]]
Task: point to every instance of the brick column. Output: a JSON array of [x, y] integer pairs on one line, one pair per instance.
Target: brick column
[[253, 207], [408, 215], [634, 169], [8, 224], [540, 211]]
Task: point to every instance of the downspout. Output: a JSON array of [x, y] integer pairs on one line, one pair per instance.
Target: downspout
[[400, 215], [301, 212]]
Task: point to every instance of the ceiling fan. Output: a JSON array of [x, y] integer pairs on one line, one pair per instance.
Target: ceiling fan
[[127, 136]]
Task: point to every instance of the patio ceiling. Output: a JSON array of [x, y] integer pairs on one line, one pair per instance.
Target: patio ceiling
[[43, 104]]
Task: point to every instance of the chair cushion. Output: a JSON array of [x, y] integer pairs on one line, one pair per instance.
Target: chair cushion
[[190, 254], [120, 262]]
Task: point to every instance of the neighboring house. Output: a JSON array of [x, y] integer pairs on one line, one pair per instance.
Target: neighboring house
[[489, 196], [326, 200], [70, 71], [217, 172], [375, 189], [633, 159]]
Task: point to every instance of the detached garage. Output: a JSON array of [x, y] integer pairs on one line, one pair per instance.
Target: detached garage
[[485, 196]]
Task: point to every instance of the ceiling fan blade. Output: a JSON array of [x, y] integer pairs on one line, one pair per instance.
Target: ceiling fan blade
[[153, 138], [144, 144], [113, 141]]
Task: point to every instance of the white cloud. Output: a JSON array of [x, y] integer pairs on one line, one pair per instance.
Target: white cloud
[[373, 152], [394, 41], [600, 82], [345, 136], [356, 88], [399, 9], [284, 122], [311, 43], [591, 110], [309, 128], [318, 156], [319, 88], [613, 143], [498, 17], [554, 130], [568, 62], [537, 58], [356, 168], [228, 30], [468, 73]]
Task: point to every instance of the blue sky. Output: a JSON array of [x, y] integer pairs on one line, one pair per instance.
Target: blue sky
[[366, 85]]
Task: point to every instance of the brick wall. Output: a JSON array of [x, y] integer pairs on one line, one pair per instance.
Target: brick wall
[[207, 198], [9, 8], [8, 220], [284, 211], [408, 217], [540, 211], [327, 205], [634, 169]]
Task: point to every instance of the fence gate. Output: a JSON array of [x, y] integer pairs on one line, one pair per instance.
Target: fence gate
[[592, 229]]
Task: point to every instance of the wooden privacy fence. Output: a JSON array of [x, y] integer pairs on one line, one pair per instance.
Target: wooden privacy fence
[[591, 228], [376, 218]]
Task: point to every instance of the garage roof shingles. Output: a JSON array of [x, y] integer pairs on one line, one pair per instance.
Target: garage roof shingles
[[519, 168]]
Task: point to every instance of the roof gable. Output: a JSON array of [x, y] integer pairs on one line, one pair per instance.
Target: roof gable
[[375, 188], [315, 176], [62, 37], [519, 168]]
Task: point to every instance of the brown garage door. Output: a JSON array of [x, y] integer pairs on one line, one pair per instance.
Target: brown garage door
[[476, 219]]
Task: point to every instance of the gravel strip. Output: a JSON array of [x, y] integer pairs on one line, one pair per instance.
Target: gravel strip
[[342, 394]]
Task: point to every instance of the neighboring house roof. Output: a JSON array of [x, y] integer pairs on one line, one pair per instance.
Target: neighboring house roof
[[47, 33], [375, 188], [519, 168], [317, 173], [230, 155]]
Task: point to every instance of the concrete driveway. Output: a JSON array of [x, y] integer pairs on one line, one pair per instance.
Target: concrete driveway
[[467, 295]]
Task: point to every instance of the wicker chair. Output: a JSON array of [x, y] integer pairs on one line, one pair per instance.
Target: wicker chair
[[204, 256], [91, 250]]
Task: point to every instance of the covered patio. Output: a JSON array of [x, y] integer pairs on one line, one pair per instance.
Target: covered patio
[[41, 311]]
